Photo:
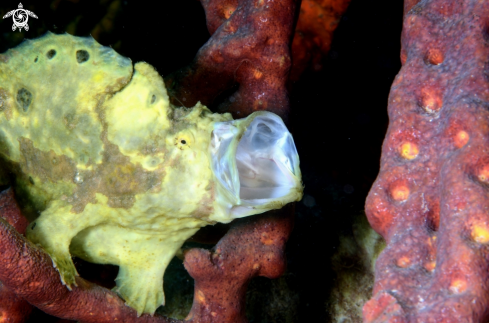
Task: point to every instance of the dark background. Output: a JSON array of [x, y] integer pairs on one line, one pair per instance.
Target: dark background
[[338, 119]]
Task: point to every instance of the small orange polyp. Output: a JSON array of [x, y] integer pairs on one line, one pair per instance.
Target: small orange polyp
[[434, 57], [199, 295], [266, 239], [257, 74], [461, 139], [403, 262], [484, 174], [409, 150], [400, 193], [430, 266], [458, 286], [429, 104], [228, 11], [480, 233], [430, 101]]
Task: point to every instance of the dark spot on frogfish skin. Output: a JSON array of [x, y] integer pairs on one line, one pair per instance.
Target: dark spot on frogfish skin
[[183, 142], [31, 180], [153, 99], [33, 226], [24, 98], [82, 56], [50, 54]]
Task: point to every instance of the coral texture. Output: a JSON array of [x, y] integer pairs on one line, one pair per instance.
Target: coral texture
[[317, 21], [253, 247], [13, 308], [249, 249], [430, 199], [250, 46]]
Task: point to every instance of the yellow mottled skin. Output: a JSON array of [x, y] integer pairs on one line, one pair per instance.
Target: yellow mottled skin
[[117, 174]]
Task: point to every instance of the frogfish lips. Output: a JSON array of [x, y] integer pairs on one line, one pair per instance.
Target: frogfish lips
[[255, 164]]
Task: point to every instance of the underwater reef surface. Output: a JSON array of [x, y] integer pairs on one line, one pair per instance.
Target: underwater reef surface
[[430, 199], [338, 119]]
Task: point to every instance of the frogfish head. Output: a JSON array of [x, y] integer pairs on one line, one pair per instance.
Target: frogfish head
[[255, 164]]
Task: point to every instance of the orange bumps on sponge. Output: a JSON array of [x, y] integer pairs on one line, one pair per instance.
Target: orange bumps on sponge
[[461, 139], [400, 192], [480, 233], [409, 150], [483, 174]]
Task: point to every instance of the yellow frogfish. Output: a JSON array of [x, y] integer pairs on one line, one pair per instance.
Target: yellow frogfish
[[109, 171]]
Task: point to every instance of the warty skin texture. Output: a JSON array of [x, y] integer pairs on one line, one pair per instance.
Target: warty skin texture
[[118, 174]]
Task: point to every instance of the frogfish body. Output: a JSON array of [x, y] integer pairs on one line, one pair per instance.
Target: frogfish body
[[111, 172]]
